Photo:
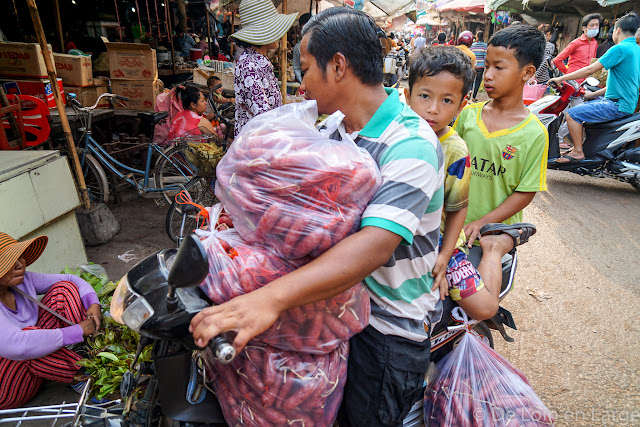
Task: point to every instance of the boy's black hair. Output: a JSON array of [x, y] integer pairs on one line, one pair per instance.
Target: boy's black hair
[[526, 40], [351, 33], [589, 17], [629, 23], [480, 35], [212, 79], [433, 60], [442, 37]]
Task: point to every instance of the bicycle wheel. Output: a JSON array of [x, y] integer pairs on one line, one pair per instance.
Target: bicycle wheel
[[95, 179], [172, 170], [201, 191]]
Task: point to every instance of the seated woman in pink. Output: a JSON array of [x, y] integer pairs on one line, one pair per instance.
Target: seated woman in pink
[[34, 340], [190, 121]]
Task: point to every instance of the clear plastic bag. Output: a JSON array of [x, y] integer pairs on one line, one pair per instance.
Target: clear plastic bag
[[285, 183], [264, 386], [237, 268], [475, 386]]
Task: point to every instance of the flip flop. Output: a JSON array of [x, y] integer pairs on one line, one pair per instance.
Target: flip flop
[[528, 230], [569, 159]]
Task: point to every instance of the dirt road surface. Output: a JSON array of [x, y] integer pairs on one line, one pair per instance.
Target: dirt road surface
[[576, 299]]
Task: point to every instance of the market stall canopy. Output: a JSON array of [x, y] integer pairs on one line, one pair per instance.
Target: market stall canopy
[[472, 6], [561, 6], [380, 10], [427, 21]]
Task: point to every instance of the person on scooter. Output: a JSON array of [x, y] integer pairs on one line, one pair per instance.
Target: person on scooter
[[34, 340], [395, 249], [465, 40], [507, 143], [623, 84], [583, 49]]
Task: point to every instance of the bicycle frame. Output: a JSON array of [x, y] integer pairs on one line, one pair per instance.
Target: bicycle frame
[[87, 142]]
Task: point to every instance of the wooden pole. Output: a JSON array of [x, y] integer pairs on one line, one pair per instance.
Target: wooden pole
[[283, 58], [56, 6], [615, 15], [170, 29], [208, 31], [35, 17], [553, 21], [231, 48], [317, 6]]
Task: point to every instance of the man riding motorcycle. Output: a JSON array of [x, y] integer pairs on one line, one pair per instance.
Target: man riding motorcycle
[[623, 83]]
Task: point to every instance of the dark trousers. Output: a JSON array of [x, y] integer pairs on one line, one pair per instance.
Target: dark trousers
[[384, 379], [478, 81]]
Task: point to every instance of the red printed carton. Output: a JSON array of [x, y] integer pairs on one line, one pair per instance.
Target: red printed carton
[[142, 93], [75, 70], [132, 61], [23, 60]]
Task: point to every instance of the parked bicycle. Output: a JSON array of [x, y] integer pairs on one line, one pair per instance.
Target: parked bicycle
[[94, 158]]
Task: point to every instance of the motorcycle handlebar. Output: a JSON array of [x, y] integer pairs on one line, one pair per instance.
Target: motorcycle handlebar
[[123, 98], [223, 351]]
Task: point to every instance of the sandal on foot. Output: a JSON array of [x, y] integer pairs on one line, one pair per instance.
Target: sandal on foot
[[512, 230], [566, 158]]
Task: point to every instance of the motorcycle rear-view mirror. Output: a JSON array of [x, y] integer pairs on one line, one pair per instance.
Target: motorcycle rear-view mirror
[[592, 81], [190, 266]]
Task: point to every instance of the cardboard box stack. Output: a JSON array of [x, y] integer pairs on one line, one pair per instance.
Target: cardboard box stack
[[88, 95], [23, 72], [133, 69]]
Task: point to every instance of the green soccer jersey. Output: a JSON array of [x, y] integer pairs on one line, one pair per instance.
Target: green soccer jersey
[[502, 162]]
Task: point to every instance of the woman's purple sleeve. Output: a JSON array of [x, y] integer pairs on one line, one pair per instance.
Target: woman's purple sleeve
[[42, 282], [34, 343]]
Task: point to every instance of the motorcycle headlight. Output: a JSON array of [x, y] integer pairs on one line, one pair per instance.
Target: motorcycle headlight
[[128, 307]]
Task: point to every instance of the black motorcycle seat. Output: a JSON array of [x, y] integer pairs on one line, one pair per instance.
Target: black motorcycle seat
[[614, 123], [153, 118]]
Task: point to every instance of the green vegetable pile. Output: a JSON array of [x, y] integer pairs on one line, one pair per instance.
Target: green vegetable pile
[[111, 352]]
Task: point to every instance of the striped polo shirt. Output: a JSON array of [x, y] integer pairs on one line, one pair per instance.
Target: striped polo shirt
[[480, 50], [408, 203]]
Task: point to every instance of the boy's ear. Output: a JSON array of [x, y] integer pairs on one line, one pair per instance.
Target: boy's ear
[[463, 104], [528, 71], [407, 96]]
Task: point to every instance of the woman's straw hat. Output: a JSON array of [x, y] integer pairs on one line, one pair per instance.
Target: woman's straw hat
[[261, 22], [11, 250]]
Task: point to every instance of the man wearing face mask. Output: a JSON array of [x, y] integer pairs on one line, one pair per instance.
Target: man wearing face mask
[[623, 84], [583, 49]]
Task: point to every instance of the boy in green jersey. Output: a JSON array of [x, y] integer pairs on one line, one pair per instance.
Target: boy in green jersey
[[507, 143], [439, 79]]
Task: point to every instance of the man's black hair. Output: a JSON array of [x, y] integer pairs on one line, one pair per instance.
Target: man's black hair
[[480, 35], [433, 60], [304, 18], [629, 23], [526, 40], [351, 33], [442, 37], [392, 36], [589, 17]]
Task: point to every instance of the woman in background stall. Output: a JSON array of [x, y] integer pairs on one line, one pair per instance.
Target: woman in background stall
[[255, 84]]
